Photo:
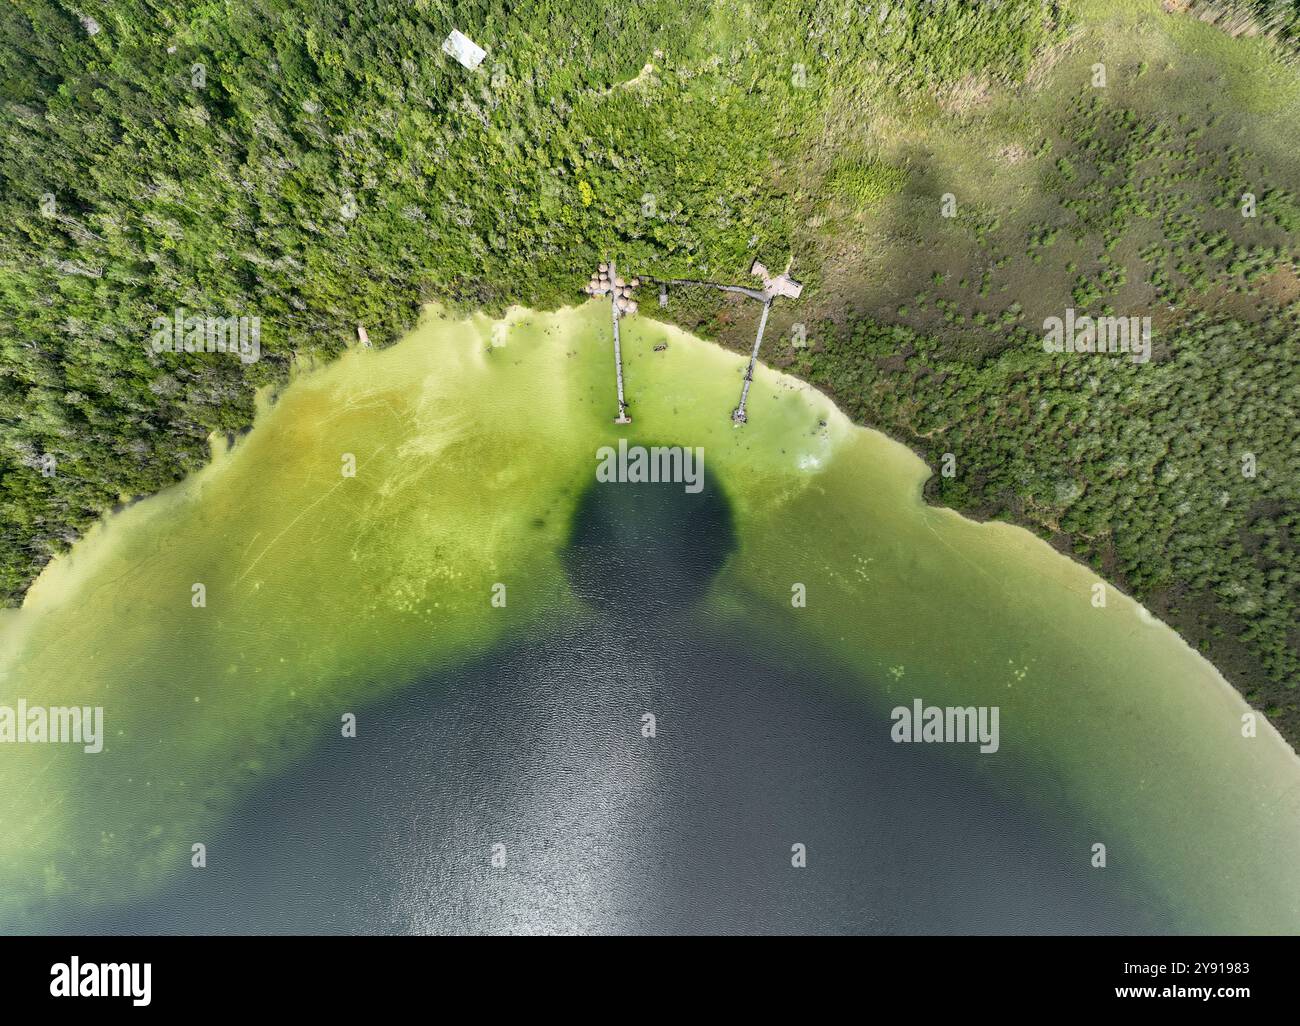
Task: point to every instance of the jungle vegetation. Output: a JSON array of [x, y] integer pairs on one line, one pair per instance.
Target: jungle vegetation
[[321, 165]]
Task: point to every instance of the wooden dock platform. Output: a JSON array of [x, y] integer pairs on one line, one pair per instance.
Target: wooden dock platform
[[607, 278], [738, 414]]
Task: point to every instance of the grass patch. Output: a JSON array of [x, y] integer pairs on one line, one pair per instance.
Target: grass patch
[[865, 183]]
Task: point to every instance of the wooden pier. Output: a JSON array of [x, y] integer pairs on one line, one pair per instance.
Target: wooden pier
[[738, 414], [773, 286], [606, 280], [622, 417]]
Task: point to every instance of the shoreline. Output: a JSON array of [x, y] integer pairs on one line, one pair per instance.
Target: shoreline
[[923, 501], [782, 469], [266, 397]]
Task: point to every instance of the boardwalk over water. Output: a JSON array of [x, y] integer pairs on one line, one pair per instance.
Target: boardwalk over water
[[738, 414], [622, 417], [781, 285]]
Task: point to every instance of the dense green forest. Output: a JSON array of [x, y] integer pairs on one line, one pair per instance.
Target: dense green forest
[[323, 165], [320, 165]]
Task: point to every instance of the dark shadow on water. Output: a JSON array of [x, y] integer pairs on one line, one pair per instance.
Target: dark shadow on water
[[641, 548]]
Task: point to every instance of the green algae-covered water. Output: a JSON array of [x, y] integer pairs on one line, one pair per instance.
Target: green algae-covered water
[[398, 534]]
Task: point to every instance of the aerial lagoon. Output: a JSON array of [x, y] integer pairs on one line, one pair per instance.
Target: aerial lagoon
[[399, 660]]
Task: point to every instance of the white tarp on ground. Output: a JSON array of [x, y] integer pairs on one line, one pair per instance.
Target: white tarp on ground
[[464, 49]]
